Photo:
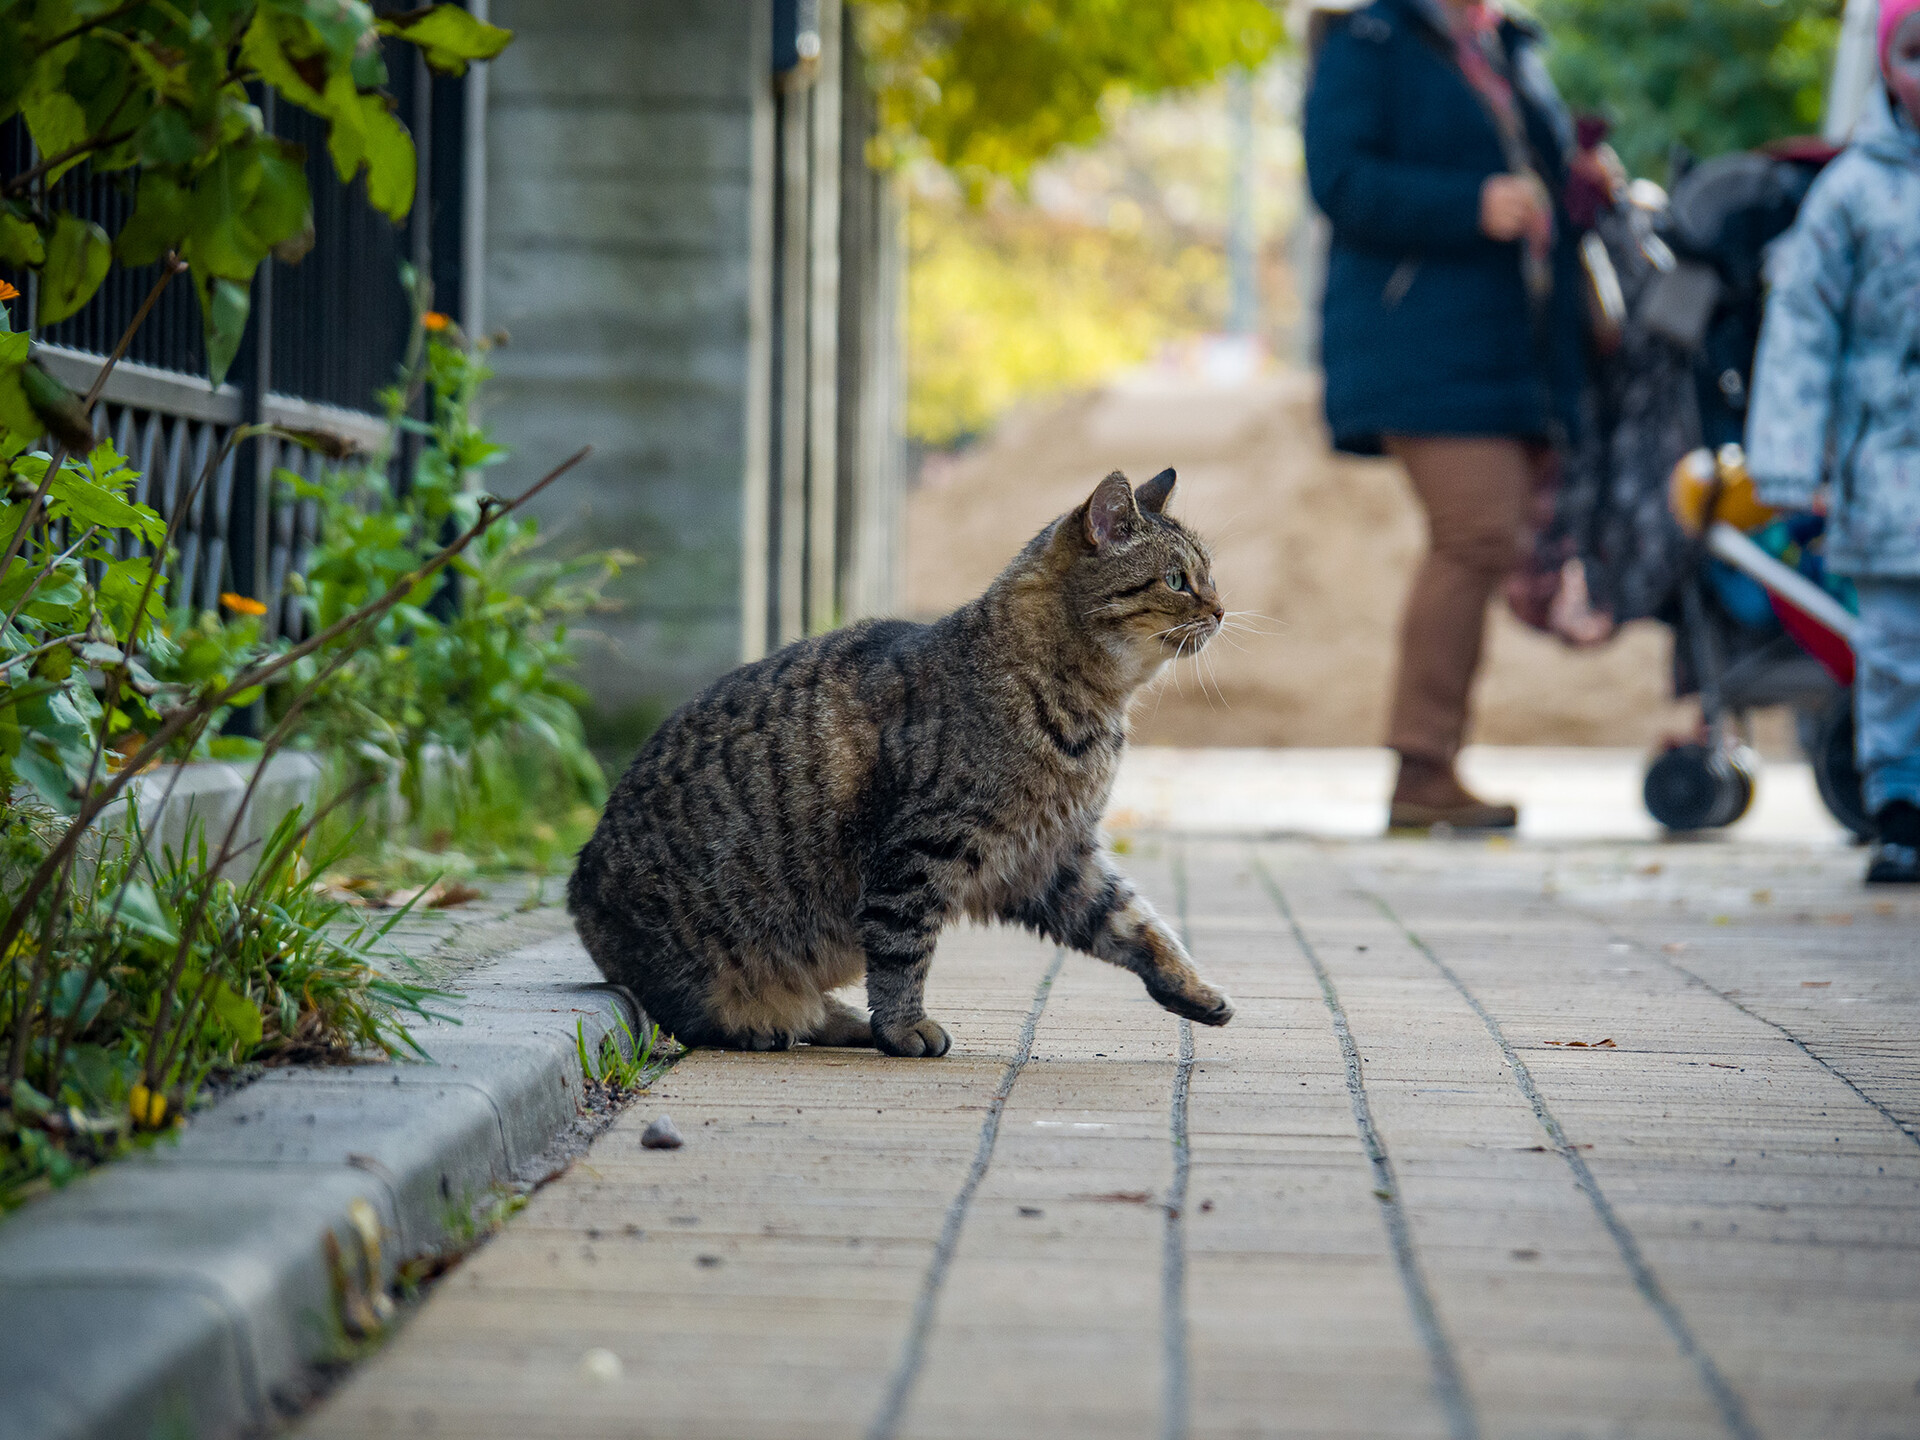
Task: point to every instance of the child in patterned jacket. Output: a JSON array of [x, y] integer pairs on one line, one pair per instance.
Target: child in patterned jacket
[[1836, 402]]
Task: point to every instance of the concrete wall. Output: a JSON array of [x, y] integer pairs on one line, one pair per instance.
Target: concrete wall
[[626, 168], [701, 278]]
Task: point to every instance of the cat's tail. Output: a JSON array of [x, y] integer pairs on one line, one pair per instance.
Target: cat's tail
[[634, 956]]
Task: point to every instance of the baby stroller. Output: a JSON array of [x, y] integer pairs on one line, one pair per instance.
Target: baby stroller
[[1655, 503], [1762, 623]]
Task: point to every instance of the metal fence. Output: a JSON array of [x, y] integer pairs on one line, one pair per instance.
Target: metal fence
[[323, 337]]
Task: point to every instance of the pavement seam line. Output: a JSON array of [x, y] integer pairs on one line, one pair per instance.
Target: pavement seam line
[[1906, 1130], [1176, 1398], [893, 1407], [1449, 1385], [1733, 1410]]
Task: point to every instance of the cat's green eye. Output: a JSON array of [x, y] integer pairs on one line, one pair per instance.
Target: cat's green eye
[[1176, 580]]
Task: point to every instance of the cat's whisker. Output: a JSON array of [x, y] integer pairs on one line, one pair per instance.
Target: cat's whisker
[[1240, 627], [1217, 688]]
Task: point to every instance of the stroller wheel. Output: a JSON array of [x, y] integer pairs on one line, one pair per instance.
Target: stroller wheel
[[1700, 787], [1829, 746]]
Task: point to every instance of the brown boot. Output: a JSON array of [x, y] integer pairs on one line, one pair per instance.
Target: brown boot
[[1428, 793]]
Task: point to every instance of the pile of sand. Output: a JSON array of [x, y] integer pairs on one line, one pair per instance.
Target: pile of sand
[[1320, 548]]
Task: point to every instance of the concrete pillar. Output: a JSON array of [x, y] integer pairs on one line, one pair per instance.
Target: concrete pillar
[[627, 167]]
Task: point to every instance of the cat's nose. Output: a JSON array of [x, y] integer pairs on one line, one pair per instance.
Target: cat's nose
[[1219, 612]]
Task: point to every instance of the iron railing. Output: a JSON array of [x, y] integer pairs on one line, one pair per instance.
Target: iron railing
[[323, 337]]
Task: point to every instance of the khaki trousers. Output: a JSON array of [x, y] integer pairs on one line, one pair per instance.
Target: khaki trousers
[[1476, 493]]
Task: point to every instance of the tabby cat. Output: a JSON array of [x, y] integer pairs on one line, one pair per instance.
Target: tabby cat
[[824, 812]]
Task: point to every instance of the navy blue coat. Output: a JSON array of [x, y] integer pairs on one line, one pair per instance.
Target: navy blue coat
[[1427, 327]]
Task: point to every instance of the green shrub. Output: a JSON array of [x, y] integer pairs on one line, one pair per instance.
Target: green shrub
[[128, 977], [138, 1000], [457, 716]]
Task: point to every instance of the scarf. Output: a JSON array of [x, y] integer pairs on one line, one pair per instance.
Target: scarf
[[1476, 40]]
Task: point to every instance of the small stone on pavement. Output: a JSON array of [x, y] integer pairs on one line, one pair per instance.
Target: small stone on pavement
[[661, 1135], [602, 1365]]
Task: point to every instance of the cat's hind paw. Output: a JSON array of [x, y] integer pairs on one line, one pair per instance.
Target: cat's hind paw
[[924, 1038], [766, 1040]]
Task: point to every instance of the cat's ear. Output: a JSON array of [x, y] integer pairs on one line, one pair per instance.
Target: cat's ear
[[1153, 495], [1111, 513]]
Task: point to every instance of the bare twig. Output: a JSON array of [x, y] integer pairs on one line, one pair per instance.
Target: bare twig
[[24, 180], [171, 266], [58, 642], [77, 31]]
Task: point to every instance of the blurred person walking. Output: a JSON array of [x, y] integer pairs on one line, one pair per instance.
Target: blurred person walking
[[1836, 402], [1453, 325]]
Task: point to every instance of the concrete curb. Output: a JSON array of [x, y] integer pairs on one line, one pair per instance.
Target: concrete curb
[[187, 1292]]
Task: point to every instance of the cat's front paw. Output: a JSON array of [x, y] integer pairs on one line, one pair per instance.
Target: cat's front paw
[[1200, 1003], [924, 1038]]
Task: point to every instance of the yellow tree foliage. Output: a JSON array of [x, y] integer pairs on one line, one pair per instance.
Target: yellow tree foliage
[[988, 87], [1006, 304]]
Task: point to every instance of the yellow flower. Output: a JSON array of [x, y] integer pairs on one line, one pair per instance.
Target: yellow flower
[[149, 1107], [435, 321], [241, 604], [7, 292]]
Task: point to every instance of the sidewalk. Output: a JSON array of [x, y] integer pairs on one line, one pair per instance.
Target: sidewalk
[[1564, 794], [1588, 1139]]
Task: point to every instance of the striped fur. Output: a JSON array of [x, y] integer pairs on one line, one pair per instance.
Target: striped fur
[[823, 813]]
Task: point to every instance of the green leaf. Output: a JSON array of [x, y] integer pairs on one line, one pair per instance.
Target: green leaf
[[78, 255], [19, 426], [56, 122], [71, 1002], [366, 133], [450, 36], [141, 911], [236, 1014], [158, 224], [362, 132], [61, 411], [56, 745], [218, 242], [288, 58], [342, 26], [167, 138], [282, 206], [98, 77], [223, 310], [20, 242], [369, 70], [92, 504], [120, 587], [55, 664], [29, 1101], [45, 776]]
